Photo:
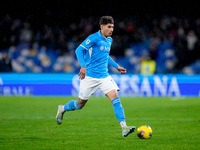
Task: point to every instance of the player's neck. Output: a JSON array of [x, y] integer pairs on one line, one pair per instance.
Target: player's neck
[[103, 34]]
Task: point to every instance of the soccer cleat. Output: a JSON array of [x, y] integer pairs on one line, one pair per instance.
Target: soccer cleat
[[59, 116], [127, 130]]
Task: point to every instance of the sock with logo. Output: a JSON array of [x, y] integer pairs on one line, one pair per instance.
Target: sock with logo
[[118, 110], [71, 105]]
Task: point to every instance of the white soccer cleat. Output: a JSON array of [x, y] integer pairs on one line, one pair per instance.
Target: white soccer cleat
[[127, 130], [60, 113]]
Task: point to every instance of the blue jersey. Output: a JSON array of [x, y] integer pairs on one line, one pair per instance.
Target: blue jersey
[[96, 55]]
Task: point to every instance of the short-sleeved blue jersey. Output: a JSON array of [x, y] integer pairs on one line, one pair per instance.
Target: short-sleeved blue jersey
[[96, 54]]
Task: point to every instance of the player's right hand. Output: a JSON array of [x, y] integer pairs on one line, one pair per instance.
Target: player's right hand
[[82, 73]]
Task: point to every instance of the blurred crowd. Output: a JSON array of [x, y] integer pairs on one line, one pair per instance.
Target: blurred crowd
[[172, 42]]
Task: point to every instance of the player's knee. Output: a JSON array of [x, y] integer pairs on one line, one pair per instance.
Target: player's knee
[[81, 103], [115, 95], [112, 94]]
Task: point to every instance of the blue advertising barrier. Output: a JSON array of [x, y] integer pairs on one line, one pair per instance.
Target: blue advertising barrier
[[18, 84]]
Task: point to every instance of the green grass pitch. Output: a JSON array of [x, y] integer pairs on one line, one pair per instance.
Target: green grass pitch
[[29, 123]]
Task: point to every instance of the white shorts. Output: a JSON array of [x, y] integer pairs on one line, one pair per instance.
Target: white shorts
[[90, 85]]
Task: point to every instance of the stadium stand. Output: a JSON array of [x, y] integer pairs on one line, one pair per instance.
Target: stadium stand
[[173, 42]]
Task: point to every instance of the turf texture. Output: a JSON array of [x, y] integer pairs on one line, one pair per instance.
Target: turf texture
[[29, 123]]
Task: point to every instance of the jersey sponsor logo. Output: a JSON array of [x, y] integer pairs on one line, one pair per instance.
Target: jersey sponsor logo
[[106, 48]]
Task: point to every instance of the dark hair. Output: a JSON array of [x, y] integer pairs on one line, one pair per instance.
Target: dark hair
[[106, 20]]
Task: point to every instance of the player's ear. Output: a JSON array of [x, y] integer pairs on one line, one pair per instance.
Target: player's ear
[[101, 26]]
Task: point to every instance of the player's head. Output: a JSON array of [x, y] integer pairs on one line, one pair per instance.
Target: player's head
[[106, 20], [107, 25]]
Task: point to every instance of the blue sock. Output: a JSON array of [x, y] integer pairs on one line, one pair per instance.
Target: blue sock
[[118, 109], [71, 105]]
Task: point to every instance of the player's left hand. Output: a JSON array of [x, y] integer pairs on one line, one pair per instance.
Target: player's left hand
[[122, 70]]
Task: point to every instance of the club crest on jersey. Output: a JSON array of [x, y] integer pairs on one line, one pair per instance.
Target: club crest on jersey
[[88, 41], [102, 48]]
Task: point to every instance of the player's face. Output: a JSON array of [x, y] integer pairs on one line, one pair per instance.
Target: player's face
[[107, 29]]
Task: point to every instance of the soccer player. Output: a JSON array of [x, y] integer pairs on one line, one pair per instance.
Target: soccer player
[[93, 56]]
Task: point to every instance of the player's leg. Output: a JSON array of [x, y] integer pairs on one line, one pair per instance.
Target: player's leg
[[70, 106], [109, 87], [75, 104], [117, 106], [87, 87], [119, 112]]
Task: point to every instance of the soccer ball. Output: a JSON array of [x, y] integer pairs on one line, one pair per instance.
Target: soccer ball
[[144, 132]]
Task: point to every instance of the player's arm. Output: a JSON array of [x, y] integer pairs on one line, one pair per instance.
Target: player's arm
[[85, 45], [79, 54], [116, 66], [112, 63]]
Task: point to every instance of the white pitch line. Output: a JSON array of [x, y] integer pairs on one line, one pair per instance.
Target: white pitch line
[[178, 98]]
